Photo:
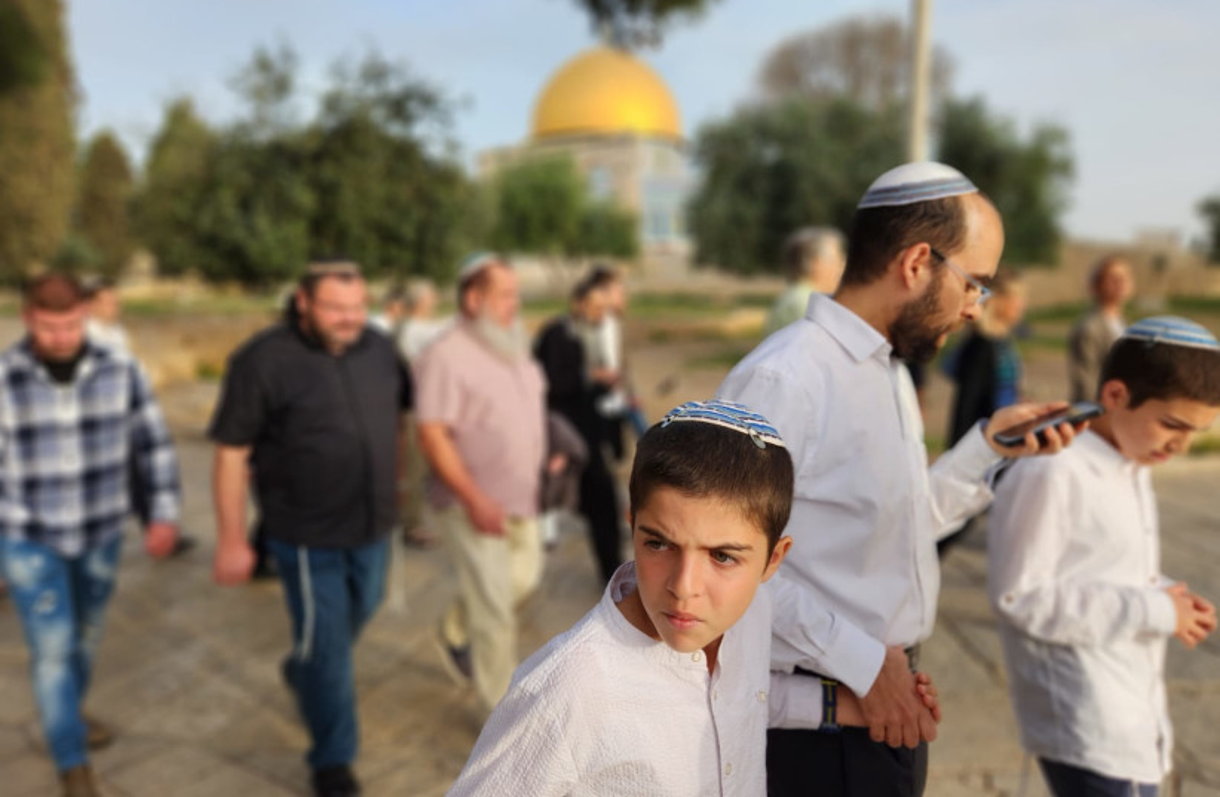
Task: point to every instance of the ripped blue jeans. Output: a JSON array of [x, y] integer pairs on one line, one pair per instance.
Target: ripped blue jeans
[[61, 602]]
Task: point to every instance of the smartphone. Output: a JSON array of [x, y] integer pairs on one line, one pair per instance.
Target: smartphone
[[1076, 414]]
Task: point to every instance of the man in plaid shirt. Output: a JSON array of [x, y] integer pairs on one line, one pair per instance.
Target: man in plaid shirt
[[77, 423]]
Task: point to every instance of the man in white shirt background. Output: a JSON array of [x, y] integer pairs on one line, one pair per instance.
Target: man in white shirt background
[[858, 593], [813, 259]]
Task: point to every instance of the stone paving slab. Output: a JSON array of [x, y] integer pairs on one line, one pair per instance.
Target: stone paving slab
[[188, 672]]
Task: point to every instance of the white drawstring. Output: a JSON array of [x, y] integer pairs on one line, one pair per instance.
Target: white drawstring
[[305, 649]]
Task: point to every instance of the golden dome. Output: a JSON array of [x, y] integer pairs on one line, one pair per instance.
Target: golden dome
[[605, 90]]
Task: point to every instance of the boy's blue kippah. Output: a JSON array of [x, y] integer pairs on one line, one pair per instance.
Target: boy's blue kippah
[[729, 415], [1173, 330]]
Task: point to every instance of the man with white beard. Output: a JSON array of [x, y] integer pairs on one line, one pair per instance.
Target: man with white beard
[[480, 411]]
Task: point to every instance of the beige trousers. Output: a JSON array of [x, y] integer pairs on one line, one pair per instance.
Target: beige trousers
[[494, 575]]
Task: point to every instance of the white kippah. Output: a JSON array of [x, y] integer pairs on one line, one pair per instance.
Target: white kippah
[[475, 263], [1172, 330], [916, 182]]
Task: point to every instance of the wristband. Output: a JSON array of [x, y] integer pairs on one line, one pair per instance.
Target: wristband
[[830, 706]]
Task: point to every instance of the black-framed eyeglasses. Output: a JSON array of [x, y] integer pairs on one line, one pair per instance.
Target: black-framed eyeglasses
[[971, 281]]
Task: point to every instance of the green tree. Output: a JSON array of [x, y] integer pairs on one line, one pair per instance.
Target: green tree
[[385, 196], [168, 200], [23, 54], [1209, 209], [103, 202], [632, 23], [539, 203], [607, 230], [1027, 178], [36, 144], [771, 169]]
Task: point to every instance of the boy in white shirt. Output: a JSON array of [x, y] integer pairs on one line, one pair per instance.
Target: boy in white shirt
[[1074, 570], [662, 688]]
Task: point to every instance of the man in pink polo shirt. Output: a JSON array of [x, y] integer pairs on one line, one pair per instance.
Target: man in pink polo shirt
[[480, 406]]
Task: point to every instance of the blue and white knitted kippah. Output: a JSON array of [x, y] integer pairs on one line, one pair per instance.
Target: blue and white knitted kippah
[[729, 415], [1174, 330], [916, 182]]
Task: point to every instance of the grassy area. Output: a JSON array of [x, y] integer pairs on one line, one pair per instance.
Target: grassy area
[[721, 360], [209, 304], [1066, 311]]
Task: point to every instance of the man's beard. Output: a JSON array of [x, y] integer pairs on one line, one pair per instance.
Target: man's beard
[[508, 342], [914, 339]]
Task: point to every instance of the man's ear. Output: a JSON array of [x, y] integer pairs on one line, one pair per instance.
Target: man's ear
[[777, 557], [301, 301], [1114, 395], [914, 266]]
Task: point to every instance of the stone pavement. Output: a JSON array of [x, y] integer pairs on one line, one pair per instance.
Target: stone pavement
[[188, 672]]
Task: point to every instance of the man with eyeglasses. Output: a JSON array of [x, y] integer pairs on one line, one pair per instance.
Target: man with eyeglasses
[[858, 593]]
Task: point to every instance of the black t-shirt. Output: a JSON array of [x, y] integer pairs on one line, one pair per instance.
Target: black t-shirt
[[323, 431]]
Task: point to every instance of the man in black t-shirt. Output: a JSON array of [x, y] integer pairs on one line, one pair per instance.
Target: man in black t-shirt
[[312, 408]]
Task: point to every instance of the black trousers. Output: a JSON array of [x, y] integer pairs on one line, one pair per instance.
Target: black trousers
[[801, 763], [600, 507]]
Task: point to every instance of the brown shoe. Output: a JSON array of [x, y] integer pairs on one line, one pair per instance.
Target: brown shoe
[[97, 733], [78, 782]]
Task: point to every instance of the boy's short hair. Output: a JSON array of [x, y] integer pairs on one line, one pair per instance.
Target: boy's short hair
[[704, 460], [54, 293], [1156, 369]]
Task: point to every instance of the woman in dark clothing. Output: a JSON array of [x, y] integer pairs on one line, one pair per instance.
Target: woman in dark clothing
[[986, 367], [568, 350]]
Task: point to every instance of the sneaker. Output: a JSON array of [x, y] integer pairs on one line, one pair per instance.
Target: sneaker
[[455, 658], [335, 782], [78, 782], [97, 733]]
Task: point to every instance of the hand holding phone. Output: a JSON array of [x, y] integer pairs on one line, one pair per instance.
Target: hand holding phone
[[1075, 415]]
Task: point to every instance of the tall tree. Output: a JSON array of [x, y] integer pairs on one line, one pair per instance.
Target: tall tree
[[635, 23], [865, 59], [36, 147], [23, 54], [168, 201], [539, 203], [387, 195], [1027, 178], [103, 202], [771, 169], [1209, 209]]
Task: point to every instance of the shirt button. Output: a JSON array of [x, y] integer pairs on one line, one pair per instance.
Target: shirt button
[[728, 769], [762, 696], [716, 694], [697, 656]]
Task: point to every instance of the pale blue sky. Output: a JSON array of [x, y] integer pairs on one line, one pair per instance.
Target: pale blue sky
[[1135, 82]]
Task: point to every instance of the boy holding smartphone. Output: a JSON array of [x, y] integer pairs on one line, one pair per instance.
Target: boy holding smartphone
[[1074, 570]]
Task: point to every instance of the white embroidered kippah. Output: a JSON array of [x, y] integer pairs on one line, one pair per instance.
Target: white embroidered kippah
[[1174, 330], [475, 263], [916, 182], [729, 415]]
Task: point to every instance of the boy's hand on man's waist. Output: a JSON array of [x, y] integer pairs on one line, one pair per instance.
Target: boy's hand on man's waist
[[894, 709]]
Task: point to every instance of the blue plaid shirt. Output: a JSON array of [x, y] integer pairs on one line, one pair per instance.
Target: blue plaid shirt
[[70, 454]]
